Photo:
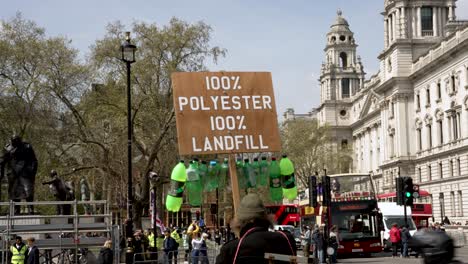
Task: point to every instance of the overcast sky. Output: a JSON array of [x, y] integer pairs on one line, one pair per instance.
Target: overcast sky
[[284, 37]]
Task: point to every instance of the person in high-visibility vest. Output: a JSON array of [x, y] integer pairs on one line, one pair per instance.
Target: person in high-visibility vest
[[176, 236], [153, 250], [18, 251]]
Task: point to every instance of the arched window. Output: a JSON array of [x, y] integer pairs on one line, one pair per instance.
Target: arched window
[[343, 60]]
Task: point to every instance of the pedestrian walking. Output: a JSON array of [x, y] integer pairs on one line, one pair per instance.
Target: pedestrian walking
[[405, 237], [178, 239], [395, 238], [169, 247], [252, 223], [319, 241], [306, 241], [334, 242], [106, 256], [33, 251], [18, 251]]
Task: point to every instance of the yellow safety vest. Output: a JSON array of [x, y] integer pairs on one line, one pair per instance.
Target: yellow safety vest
[[159, 243], [18, 255], [151, 240], [176, 237]]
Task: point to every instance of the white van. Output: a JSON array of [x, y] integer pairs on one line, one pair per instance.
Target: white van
[[393, 213]]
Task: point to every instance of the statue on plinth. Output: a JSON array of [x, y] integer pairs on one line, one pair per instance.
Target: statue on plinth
[[20, 163], [85, 195]]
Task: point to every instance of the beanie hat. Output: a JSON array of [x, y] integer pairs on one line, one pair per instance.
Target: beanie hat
[[251, 207]]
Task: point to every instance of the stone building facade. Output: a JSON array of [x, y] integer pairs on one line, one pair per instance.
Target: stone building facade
[[411, 117]]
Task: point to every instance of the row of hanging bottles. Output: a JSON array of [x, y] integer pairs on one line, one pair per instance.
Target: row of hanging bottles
[[200, 177]]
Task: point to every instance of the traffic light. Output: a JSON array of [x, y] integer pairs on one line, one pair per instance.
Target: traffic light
[[399, 191], [326, 190], [408, 189], [313, 191]]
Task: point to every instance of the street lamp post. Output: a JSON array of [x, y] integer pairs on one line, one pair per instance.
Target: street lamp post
[[128, 56]]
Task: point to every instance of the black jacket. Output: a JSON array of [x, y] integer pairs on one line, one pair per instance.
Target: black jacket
[[254, 246], [33, 256], [105, 256], [169, 244], [405, 235]]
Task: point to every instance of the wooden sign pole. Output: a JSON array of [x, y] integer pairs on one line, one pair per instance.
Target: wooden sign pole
[[234, 182]]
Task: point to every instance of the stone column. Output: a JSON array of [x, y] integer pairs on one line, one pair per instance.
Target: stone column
[[413, 23], [394, 28], [418, 21], [435, 25], [451, 13], [397, 24], [403, 25], [439, 21]]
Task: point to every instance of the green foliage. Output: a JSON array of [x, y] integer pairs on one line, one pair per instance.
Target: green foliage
[[312, 149], [74, 112]]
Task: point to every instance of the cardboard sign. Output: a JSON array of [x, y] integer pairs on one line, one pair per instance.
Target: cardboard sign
[[225, 112]]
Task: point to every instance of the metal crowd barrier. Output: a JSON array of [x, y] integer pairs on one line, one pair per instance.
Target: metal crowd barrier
[[66, 232], [458, 236], [180, 256]]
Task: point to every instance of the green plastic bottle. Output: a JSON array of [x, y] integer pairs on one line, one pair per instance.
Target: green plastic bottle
[[240, 174], [276, 191], [249, 174], [256, 169], [176, 192], [213, 174], [194, 186], [262, 179], [203, 171], [287, 175], [223, 173]]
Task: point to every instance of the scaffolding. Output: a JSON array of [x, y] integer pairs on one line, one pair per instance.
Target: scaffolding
[[66, 233]]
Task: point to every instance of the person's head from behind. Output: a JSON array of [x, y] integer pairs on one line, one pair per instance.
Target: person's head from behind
[[395, 225], [16, 140], [108, 244], [251, 212], [31, 241], [334, 228]]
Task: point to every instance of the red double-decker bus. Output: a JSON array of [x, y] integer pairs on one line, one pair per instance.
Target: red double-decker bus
[[353, 209], [285, 214], [421, 210]]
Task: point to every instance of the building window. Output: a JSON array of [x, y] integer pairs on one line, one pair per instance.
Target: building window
[[419, 175], [441, 132], [343, 60], [344, 144], [451, 168], [429, 173], [428, 97], [458, 167], [418, 132], [453, 83], [392, 109], [442, 205], [455, 126], [392, 146], [460, 203], [426, 19], [418, 101], [452, 203], [429, 136], [441, 170], [439, 91], [345, 88]]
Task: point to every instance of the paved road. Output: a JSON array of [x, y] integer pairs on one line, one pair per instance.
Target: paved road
[[461, 255]]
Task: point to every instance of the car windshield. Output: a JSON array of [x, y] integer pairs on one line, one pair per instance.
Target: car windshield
[[353, 225], [400, 221]]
